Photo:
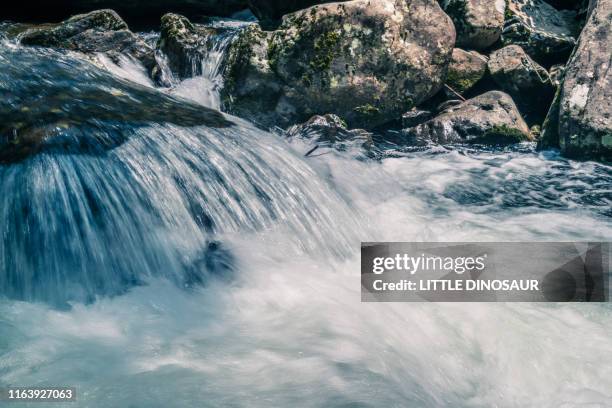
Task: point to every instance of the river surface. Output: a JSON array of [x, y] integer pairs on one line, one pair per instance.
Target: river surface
[[166, 265]]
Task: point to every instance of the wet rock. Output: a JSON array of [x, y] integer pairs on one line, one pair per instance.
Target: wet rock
[[465, 70], [330, 130], [101, 31], [524, 79], [479, 23], [270, 12], [415, 117], [367, 62], [580, 120], [184, 44], [548, 35], [491, 118], [73, 106]]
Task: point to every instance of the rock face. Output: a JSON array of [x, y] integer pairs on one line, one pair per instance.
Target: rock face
[[580, 120], [479, 23], [184, 44], [545, 33], [101, 31], [524, 79], [270, 12], [367, 62], [330, 130], [135, 11], [491, 118], [466, 69]]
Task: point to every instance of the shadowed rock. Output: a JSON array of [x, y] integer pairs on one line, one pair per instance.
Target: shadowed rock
[[548, 35], [524, 79], [479, 23], [75, 107]]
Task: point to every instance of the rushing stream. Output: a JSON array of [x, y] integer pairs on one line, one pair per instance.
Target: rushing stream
[[173, 264]]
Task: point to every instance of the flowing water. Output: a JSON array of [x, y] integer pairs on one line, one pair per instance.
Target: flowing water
[[213, 265]]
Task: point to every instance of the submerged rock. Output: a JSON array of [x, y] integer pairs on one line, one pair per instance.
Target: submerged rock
[[524, 79], [101, 31], [491, 118], [330, 130], [479, 23], [75, 107], [545, 33], [465, 70], [580, 120], [365, 61]]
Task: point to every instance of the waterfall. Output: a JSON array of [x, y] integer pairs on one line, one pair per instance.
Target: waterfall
[[83, 219]]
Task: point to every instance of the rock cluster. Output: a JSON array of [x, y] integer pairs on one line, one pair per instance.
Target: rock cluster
[[445, 71]]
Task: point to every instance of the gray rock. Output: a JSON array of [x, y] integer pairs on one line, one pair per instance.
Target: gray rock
[[580, 120], [545, 33], [465, 70], [524, 79], [479, 23], [185, 44], [365, 61], [331, 131], [491, 118], [101, 31]]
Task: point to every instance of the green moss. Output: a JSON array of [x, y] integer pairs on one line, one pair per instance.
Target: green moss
[[324, 47], [460, 82], [367, 110], [501, 135]]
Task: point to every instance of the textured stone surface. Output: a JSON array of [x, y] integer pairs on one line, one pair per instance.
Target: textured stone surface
[[479, 23], [524, 79], [545, 33], [366, 62], [466, 69], [491, 118], [580, 120]]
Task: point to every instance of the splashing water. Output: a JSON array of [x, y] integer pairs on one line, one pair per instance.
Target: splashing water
[[287, 327]]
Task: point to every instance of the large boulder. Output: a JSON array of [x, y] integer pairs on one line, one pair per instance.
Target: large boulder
[[525, 80], [101, 31], [367, 62], [465, 70], [491, 118], [548, 35], [139, 12], [580, 120], [479, 23], [270, 12]]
